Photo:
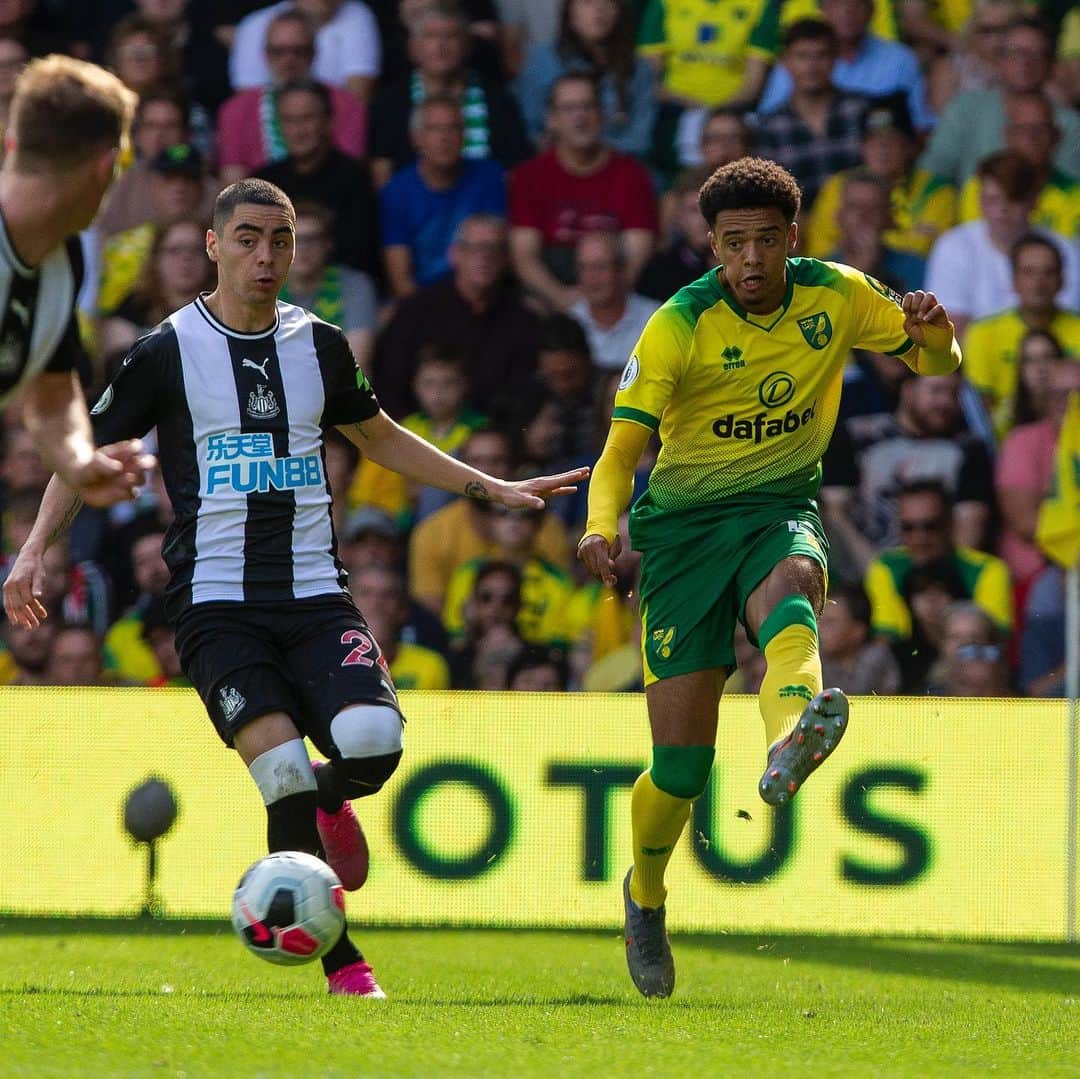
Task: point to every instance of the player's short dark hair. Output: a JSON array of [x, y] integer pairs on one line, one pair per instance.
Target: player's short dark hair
[[309, 86], [534, 656], [751, 183], [561, 333], [253, 192], [809, 30], [1035, 239], [926, 487]]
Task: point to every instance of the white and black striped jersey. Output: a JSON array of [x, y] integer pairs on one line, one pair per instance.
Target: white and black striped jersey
[[38, 331], [240, 422]]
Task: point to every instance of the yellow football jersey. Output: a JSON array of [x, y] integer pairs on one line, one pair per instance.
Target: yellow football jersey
[[417, 667], [992, 357], [923, 207], [545, 593], [746, 402], [705, 44]]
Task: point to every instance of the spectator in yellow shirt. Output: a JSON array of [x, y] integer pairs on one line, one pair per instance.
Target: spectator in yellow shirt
[[463, 530], [926, 531], [923, 206], [444, 420], [546, 589], [992, 344], [1032, 131]]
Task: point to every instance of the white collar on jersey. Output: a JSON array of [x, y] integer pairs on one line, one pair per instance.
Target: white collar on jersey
[[228, 331]]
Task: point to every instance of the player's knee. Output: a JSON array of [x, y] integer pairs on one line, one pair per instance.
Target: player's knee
[[368, 739], [682, 771], [360, 776]]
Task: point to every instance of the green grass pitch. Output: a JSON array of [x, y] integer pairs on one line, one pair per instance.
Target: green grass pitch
[[184, 999]]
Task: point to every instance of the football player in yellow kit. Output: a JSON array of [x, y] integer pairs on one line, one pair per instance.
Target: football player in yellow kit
[[740, 372]]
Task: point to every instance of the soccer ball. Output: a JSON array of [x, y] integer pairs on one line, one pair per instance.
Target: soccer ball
[[289, 908]]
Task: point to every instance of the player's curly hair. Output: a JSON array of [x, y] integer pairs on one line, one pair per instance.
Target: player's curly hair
[[750, 183]]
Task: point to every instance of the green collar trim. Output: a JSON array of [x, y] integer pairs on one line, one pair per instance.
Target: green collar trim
[[729, 299]]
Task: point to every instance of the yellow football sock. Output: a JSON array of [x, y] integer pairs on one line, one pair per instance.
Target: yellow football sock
[[792, 676], [658, 820]]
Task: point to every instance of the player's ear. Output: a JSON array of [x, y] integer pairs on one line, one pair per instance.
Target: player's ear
[[714, 246], [793, 235], [211, 245], [107, 165]]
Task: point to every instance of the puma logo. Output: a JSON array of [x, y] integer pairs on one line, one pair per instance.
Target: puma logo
[[260, 367]]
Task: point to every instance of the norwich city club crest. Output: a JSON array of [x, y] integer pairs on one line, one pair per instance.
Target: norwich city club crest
[[663, 640], [817, 329]]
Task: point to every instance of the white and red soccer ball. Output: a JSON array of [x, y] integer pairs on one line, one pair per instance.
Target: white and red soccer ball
[[289, 908]]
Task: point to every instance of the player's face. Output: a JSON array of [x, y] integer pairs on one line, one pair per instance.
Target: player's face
[[753, 246], [253, 252]]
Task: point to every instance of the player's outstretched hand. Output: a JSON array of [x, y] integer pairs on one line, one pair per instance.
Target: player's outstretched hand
[[112, 475], [533, 494], [24, 588], [926, 322], [598, 557]]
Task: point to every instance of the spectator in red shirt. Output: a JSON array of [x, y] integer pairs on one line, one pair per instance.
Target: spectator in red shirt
[[249, 129], [580, 185]]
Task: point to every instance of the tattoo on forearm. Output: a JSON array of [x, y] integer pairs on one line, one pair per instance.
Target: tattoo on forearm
[[359, 429], [475, 489], [65, 522]]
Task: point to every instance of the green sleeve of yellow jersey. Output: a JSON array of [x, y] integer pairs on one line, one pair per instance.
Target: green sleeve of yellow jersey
[[652, 38], [655, 368], [764, 40], [876, 311]]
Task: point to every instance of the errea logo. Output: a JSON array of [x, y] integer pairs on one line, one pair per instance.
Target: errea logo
[[732, 356]]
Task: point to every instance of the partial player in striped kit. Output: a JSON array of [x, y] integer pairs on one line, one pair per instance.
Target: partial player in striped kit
[[68, 120], [241, 388]]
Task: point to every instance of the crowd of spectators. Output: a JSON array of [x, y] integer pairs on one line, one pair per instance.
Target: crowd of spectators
[[492, 198]]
